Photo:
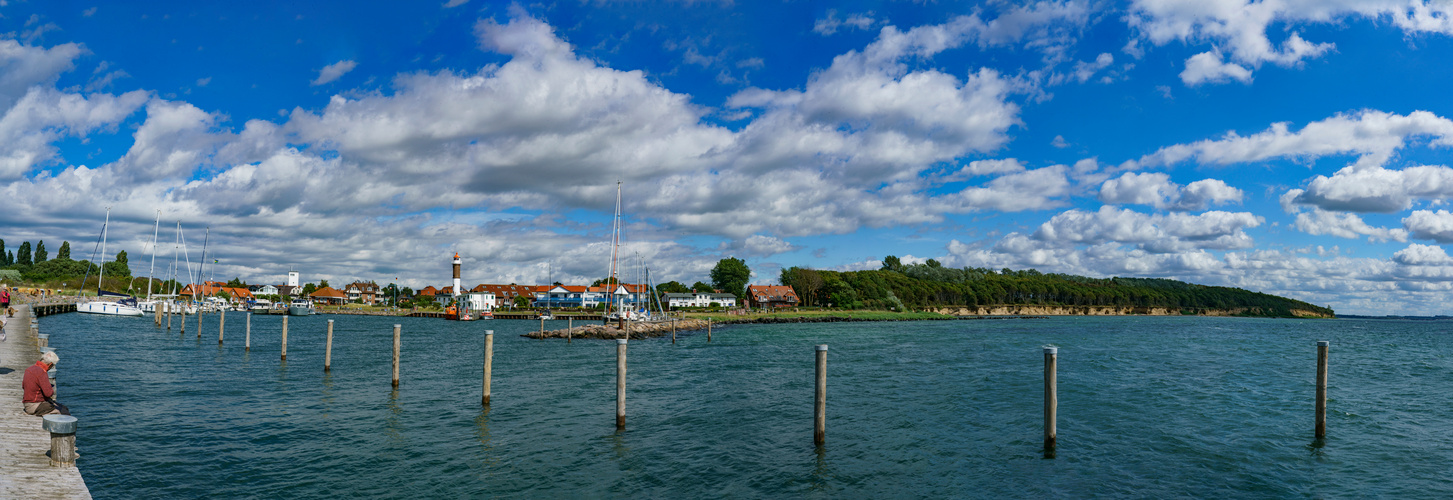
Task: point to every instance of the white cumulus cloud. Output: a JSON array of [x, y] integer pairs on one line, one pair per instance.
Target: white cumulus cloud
[[334, 71]]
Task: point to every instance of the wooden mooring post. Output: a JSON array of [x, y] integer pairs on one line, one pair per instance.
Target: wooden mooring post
[[569, 329], [168, 307], [182, 320], [247, 340], [221, 325], [819, 406], [155, 307], [1322, 346], [285, 338], [62, 430], [488, 363], [542, 327], [621, 384], [328, 349], [199, 324], [397, 346], [673, 331], [1051, 399], [708, 330]]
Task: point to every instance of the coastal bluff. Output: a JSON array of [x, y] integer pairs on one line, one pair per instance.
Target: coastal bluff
[[1033, 310]]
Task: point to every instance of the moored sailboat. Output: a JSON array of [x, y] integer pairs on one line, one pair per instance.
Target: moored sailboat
[[123, 305]]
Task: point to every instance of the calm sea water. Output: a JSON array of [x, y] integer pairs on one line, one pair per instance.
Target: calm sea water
[[1149, 407]]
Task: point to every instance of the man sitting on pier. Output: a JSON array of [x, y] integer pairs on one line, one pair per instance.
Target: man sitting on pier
[[37, 385]]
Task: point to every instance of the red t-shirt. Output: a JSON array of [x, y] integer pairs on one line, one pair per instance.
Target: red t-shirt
[[36, 383]]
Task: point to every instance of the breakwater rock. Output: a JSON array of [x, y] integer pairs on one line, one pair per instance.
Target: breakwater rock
[[770, 320], [633, 330]]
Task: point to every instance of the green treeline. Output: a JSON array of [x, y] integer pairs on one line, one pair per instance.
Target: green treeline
[[899, 286]]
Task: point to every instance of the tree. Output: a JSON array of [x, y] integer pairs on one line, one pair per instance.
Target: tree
[[40, 254], [731, 275], [672, 287], [522, 301], [806, 282], [700, 287], [408, 292], [63, 253], [322, 283], [3, 260], [891, 263], [237, 283], [309, 288], [22, 256], [118, 268]]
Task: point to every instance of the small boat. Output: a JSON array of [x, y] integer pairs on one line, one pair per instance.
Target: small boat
[[261, 306], [301, 307], [124, 306], [545, 314]]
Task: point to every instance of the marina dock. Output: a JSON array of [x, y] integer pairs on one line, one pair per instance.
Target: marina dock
[[25, 470]]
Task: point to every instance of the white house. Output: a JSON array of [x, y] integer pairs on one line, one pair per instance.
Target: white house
[[697, 299], [265, 290]]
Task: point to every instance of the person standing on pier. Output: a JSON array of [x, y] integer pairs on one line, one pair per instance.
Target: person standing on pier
[[5, 301], [37, 385]]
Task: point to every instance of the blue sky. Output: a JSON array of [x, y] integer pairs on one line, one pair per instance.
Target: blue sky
[[1293, 147]]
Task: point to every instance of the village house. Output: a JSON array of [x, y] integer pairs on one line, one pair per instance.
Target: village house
[[698, 299], [504, 295], [328, 296], [768, 296], [215, 289], [359, 291]]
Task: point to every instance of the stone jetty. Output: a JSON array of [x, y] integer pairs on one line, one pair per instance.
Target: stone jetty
[[634, 330]]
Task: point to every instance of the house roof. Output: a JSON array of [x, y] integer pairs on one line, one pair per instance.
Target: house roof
[[328, 292], [428, 290], [771, 292]]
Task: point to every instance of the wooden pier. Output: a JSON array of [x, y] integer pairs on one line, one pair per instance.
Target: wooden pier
[[25, 470]]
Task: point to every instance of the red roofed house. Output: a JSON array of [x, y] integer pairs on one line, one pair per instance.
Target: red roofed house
[[328, 296], [504, 295], [212, 288], [762, 296]]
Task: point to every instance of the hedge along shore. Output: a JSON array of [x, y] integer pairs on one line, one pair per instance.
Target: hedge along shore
[[25, 470], [1032, 310]]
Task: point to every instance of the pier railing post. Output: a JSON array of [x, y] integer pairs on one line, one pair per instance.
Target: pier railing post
[[62, 430], [328, 349], [285, 338], [819, 407], [1051, 398], [488, 363], [621, 384], [397, 346], [1322, 346], [42, 339]]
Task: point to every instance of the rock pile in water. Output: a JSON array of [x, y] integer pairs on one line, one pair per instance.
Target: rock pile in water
[[634, 330]]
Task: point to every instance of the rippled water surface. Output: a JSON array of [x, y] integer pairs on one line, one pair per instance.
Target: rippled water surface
[[1149, 407]]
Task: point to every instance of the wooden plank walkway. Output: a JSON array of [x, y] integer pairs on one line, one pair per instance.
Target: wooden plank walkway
[[25, 470]]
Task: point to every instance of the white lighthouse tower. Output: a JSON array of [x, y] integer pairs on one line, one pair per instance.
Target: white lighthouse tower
[[457, 293]]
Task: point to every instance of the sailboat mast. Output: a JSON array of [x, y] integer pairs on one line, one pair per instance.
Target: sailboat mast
[[191, 279], [615, 237], [152, 273], [102, 277], [176, 247], [203, 262]]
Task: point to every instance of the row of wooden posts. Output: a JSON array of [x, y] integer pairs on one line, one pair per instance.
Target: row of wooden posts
[[819, 433]]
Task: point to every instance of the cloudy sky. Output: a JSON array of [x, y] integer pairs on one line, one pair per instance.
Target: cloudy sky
[[1296, 147]]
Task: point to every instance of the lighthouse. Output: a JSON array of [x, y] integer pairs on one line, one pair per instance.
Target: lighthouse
[[456, 274]]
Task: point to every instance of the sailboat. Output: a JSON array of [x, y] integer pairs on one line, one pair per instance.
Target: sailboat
[[124, 305]]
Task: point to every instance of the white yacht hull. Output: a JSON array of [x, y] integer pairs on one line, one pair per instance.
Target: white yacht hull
[[108, 308]]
